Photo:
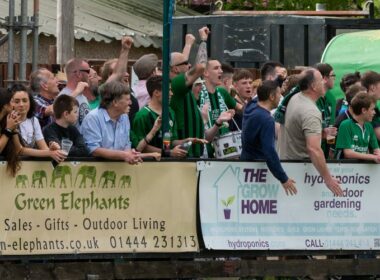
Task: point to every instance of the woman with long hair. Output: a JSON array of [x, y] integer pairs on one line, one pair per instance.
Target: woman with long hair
[[9, 120], [30, 135], [30, 130]]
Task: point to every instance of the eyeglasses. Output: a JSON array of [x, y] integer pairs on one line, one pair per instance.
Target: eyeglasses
[[186, 62]]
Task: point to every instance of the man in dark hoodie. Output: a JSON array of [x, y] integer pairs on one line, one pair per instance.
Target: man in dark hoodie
[[259, 133]]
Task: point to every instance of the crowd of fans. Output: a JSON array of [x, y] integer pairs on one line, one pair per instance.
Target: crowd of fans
[[279, 116]]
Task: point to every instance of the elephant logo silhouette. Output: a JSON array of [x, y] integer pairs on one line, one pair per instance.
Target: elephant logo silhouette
[[38, 178], [124, 180], [22, 181], [86, 172], [60, 172], [108, 176]]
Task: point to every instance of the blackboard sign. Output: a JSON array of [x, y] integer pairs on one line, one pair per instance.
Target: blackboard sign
[[245, 42]]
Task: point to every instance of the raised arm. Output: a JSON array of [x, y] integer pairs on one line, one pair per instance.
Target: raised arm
[[201, 57], [200, 63], [121, 65], [213, 130], [143, 145], [189, 41], [194, 73]]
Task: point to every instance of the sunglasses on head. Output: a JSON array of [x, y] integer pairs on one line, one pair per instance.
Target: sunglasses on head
[[186, 62]]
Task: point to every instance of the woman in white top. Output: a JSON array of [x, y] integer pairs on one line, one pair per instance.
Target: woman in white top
[[29, 128], [30, 131], [32, 141]]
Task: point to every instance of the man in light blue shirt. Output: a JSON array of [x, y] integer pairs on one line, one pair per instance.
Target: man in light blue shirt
[[106, 130]]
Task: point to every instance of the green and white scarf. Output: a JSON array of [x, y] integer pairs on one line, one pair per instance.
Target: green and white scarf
[[205, 99]]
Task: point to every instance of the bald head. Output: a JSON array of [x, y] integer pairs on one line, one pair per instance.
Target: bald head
[[178, 64], [73, 65], [76, 70], [176, 58], [311, 81]]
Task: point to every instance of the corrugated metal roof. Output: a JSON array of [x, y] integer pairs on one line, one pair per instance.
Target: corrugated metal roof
[[106, 20]]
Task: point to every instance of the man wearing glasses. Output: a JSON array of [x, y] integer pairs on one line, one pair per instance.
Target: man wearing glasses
[[77, 71], [179, 61], [179, 64], [325, 104]]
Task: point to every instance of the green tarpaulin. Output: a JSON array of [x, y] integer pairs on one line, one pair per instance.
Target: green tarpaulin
[[350, 52]]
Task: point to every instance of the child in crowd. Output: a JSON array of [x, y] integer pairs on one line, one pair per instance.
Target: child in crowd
[[145, 120], [242, 84], [65, 109], [356, 138], [347, 81]]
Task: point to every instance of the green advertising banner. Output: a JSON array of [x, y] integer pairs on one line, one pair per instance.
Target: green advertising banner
[[98, 207]]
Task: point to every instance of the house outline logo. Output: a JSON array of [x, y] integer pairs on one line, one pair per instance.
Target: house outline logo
[[227, 187]]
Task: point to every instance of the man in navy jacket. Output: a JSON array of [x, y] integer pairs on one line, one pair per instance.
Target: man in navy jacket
[[258, 134]]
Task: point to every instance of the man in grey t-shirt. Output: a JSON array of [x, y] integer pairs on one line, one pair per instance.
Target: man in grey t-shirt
[[77, 71], [303, 127]]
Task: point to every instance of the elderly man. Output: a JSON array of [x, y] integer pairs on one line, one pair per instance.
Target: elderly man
[[303, 127], [106, 130], [45, 87], [77, 71]]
